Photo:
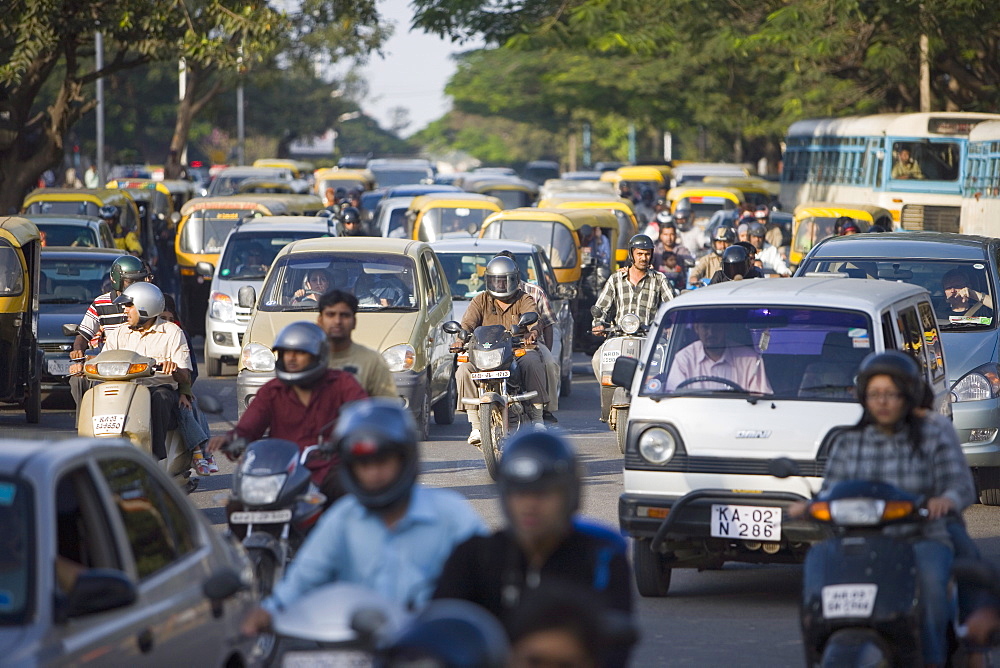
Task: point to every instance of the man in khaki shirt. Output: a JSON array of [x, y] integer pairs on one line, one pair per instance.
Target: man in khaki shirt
[[503, 303], [338, 317]]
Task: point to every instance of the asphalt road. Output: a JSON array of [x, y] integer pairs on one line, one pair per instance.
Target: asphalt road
[[739, 615]]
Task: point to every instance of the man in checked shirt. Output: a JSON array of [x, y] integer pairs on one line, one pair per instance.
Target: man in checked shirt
[[640, 289]]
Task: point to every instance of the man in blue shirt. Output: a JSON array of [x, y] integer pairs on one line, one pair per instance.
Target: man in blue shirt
[[388, 533]]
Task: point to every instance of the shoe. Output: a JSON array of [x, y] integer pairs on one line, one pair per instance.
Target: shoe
[[539, 426], [475, 438], [549, 417], [200, 465], [212, 466]]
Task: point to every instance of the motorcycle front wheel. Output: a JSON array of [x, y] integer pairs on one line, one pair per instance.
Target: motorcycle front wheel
[[492, 431], [856, 647], [265, 569]]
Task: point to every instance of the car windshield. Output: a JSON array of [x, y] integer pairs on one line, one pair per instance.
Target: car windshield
[[73, 281], [745, 351], [16, 551], [812, 230], [66, 208], [703, 208], [443, 222], [205, 231], [395, 228], [465, 272], [960, 289], [80, 236], [555, 238], [380, 282], [398, 176], [511, 199], [249, 255]]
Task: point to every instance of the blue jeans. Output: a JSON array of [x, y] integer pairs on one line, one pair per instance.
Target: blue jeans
[[192, 425], [934, 565]]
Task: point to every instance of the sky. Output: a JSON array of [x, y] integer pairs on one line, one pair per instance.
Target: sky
[[413, 72]]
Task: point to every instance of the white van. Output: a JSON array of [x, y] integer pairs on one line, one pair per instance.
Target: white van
[[735, 375]]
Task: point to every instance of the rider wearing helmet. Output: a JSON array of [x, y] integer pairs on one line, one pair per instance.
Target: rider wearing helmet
[[124, 236], [766, 253], [351, 224], [638, 289], [709, 264], [449, 634], [543, 543], [736, 265], [150, 335], [388, 533], [302, 403], [103, 316], [900, 442], [503, 303]]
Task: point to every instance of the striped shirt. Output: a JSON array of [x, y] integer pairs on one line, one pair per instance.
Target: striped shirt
[[642, 299], [100, 318], [545, 315]]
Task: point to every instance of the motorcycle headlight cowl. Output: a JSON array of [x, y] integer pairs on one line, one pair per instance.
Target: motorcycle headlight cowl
[[485, 360], [261, 490]]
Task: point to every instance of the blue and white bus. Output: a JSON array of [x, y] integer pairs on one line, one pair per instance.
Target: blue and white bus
[[914, 165], [981, 190]]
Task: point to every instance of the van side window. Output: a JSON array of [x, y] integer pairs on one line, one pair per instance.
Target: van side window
[[932, 342], [888, 332], [913, 336]]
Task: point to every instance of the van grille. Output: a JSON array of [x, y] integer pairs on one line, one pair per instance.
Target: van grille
[[682, 463], [930, 218]]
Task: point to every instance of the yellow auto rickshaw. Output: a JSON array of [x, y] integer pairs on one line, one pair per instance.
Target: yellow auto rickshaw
[[20, 356], [348, 179], [621, 207], [88, 202], [756, 191], [442, 215], [703, 201], [637, 177], [156, 205], [814, 221], [553, 187], [299, 168], [181, 190], [512, 192]]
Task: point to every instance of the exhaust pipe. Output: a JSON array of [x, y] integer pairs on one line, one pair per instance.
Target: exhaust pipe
[[524, 396]]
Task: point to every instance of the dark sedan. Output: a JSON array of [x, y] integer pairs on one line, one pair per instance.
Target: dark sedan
[[104, 561], [70, 280]]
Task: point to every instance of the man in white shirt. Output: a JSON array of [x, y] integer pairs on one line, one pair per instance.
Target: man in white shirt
[[711, 356], [766, 253], [145, 333]]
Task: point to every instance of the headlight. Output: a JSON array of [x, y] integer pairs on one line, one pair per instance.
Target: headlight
[[222, 307], [485, 360], [115, 369], [629, 323], [980, 383], [857, 512], [400, 357], [657, 445], [261, 490], [257, 357]]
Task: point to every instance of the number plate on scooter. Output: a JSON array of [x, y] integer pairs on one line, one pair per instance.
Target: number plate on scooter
[[108, 425], [849, 600], [608, 357], [261, 517], [327, 659], [746, 522], [484, 375]]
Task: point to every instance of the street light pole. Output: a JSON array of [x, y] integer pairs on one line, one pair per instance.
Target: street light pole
[[241, 154], [99, 63]]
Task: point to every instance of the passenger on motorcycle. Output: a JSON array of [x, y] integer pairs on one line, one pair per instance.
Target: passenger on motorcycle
[[146, 333], [900, 442], [125, 238], [667, 242], [693, 237], [301, 402], [766, 253], [709, 263], [388, 533], [503, 303], [543, 543]]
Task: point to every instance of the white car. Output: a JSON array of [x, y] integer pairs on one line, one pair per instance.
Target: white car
[[701, 434]]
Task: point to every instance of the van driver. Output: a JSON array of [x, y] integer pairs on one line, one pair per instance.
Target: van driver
[[712, 357], [963, 300]]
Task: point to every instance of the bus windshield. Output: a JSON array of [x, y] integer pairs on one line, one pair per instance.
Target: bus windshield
[[926, 160]]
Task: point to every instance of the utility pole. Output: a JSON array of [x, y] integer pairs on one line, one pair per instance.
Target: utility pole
[[241, 155], [99, 63], [925, 74], [182, 92]]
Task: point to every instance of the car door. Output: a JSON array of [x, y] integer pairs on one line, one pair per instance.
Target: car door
[[439, 359], [104, 234], [168, 555], [563, 309]]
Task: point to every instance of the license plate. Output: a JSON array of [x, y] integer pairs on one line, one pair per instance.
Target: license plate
[[746, 522], [485, 375], [261, 516], [849, 600], [327, 659], [58, 367], [608, 357], [106, 425]]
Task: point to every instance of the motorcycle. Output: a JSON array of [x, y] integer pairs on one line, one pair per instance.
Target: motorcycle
[[492, 351], [861, 603], [623, 339], [119, 407]]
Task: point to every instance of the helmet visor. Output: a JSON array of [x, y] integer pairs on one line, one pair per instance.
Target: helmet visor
[[503, 285]]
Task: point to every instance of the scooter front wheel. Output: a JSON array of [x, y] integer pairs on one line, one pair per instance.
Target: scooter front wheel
[[492, 431], [856, 647], [265, 568]]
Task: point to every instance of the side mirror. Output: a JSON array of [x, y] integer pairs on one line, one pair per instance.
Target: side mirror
[[783, 467], [209, 404], [246, 297], [527, 319], [205, 269], [596, 313], [624, 371], [98, 590], [69, 330], [452, 327], [175, 217], [567, 291], [223, 584]]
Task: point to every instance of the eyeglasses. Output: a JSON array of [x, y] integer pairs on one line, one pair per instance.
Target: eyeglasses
[[884, 396]]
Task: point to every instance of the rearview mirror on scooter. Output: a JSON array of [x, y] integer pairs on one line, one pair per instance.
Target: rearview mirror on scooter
[[527, 319], [452, 327]]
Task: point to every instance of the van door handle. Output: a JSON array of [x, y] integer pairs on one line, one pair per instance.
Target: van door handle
[[145, 641]]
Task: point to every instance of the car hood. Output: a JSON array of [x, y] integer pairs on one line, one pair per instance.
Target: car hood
[[964, 351], [232, 287], [375, 330], [13, 645], [51, 318]]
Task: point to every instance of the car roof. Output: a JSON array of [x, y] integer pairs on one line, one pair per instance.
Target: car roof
[[68, 252], [17, 453], [908, 245], [367, 244], [61, 218], [477, 245], [838, 291]]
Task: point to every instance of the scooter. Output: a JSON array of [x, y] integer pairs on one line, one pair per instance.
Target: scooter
[[623, 339], [492, 351], [119, 407]]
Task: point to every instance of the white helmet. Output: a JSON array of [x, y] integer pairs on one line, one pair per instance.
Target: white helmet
[[502, 277], [146, 298]]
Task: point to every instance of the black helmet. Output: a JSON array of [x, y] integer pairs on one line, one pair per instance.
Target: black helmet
[[755, 229], [724, 233], [682, 216], [735, 262], [127, 267], [502, 277], [539, 460], [640, 241], [108, 212], [902, 368], [370, 428], [306, 337], [350, 214], [449, 633], [146, 297]]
